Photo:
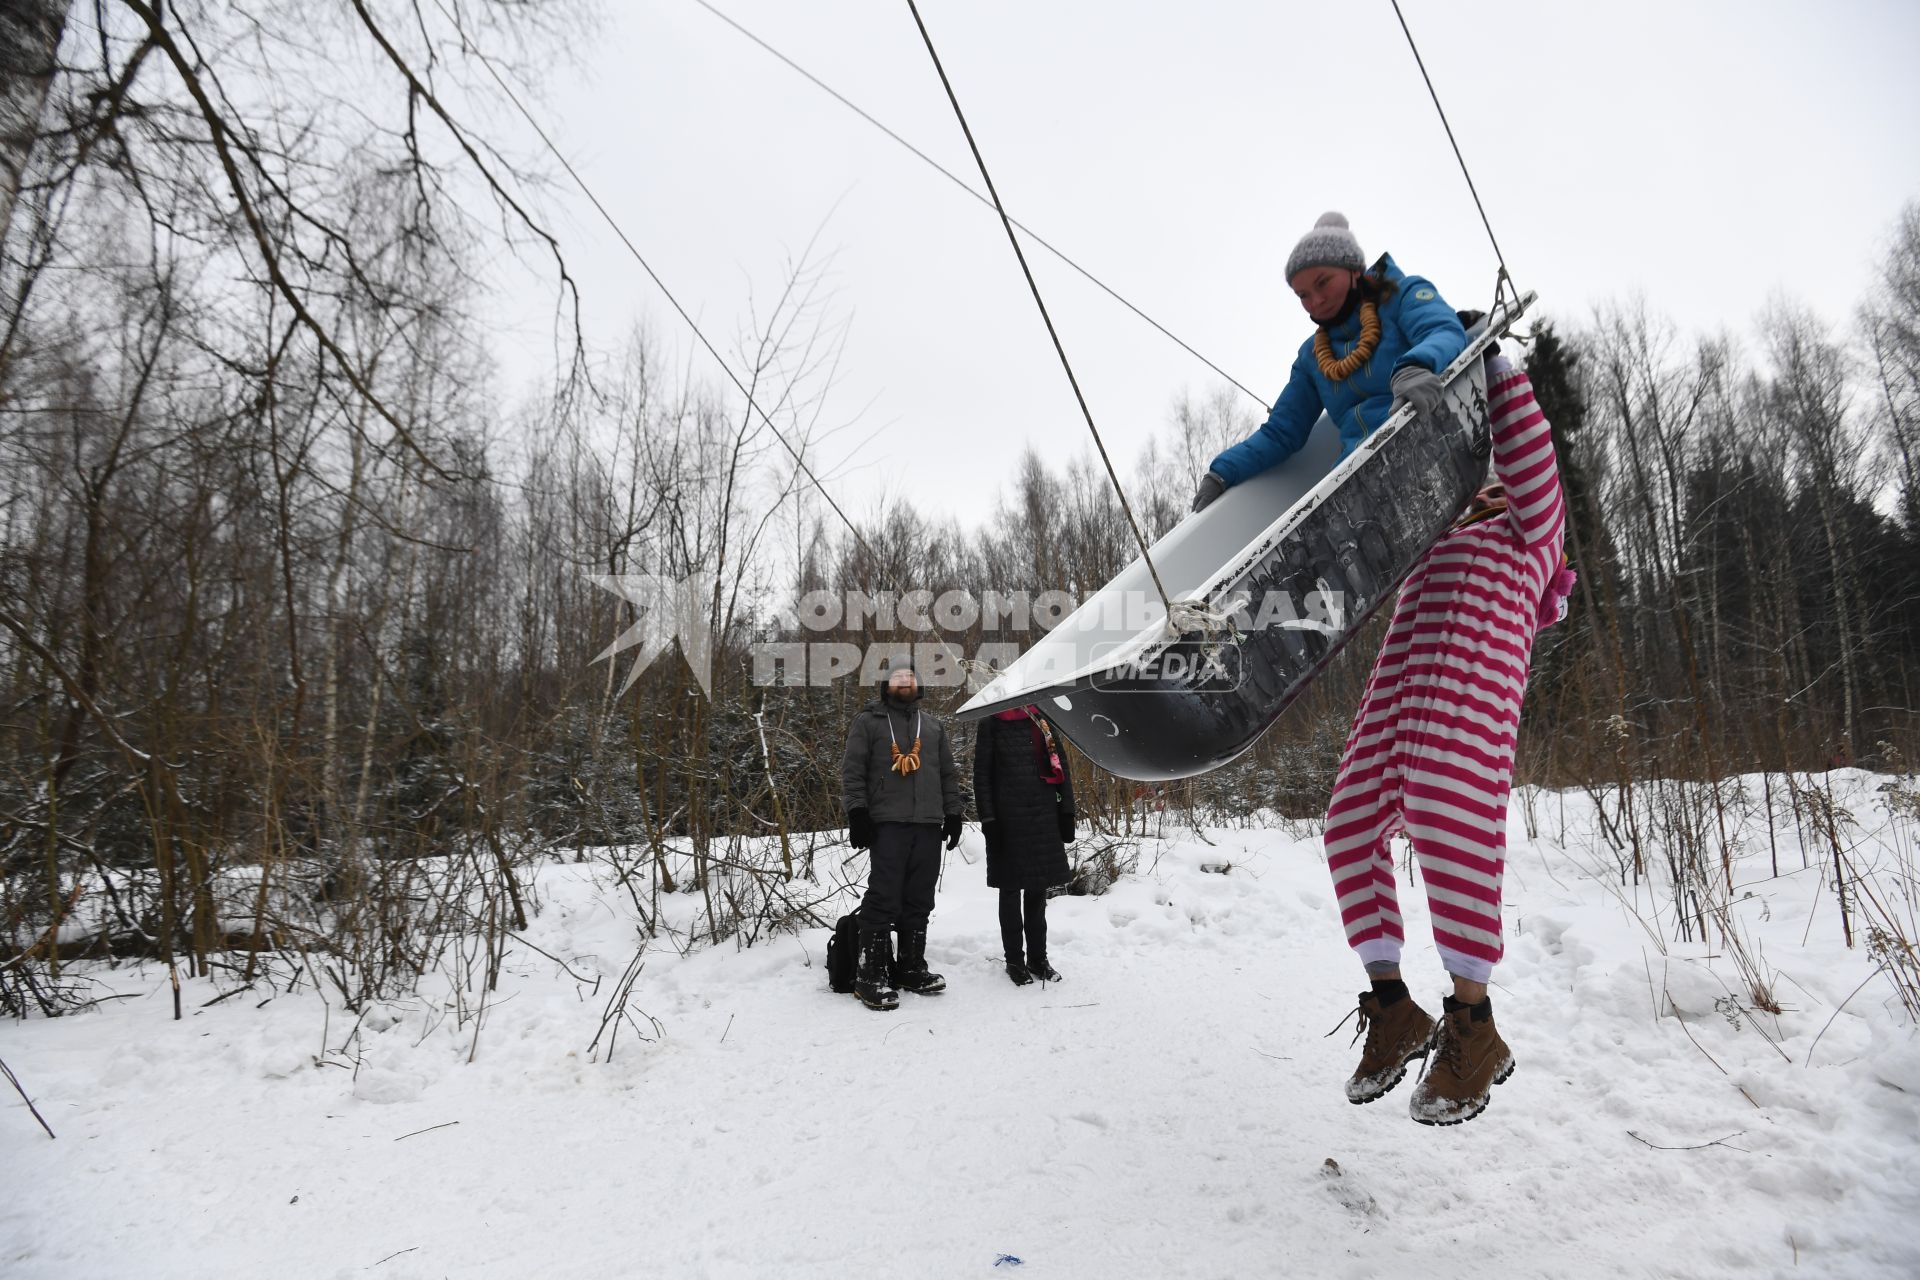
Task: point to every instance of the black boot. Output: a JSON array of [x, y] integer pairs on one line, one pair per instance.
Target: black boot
[[1010, 935], [1036, 930], [910, 970], [872, 984]]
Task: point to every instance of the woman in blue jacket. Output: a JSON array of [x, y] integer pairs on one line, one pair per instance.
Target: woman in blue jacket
[[1384, 338]]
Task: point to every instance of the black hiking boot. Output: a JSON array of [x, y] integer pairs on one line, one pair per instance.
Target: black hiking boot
[[910, 971], [1017, 970], [1039, 968], [871, 984]]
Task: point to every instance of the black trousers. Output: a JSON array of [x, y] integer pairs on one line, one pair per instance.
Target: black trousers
[[1033, 926], [905, 871]]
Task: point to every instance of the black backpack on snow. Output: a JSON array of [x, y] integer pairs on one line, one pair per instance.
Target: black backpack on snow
[[843, 954]]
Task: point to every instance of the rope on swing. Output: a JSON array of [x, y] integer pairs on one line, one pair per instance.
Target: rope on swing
[[1503, 285], [620, 232], [960, 182], [1007, 224]]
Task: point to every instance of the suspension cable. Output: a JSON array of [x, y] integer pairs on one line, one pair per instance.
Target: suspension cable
[[1061, 351], [1506, 277], [960, 182], [611, 222]]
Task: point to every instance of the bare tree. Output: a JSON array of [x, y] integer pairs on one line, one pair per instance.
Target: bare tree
[[1808, 399], [1891, 321], [29, 47]]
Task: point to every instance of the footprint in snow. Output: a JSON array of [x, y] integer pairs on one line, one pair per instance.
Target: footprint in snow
[[1351, 1195]]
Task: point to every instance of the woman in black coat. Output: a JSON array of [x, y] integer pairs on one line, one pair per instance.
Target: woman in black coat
[[1025, 795]]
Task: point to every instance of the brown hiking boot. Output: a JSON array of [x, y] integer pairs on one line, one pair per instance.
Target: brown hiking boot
[[1396, 1034], [1468, 1059]]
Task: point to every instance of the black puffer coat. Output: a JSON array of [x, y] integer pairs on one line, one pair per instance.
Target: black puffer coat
[[1007, 789], [867, 778]]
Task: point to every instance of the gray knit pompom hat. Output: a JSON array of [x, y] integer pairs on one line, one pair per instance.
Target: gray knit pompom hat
[[1329, 244]]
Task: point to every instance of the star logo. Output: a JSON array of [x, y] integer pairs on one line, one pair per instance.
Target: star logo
[[665, 610]]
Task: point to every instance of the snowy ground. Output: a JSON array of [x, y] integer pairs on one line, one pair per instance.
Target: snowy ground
[[1170, 1109]]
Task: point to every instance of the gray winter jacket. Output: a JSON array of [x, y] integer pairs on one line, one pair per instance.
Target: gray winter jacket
[[867, 780]]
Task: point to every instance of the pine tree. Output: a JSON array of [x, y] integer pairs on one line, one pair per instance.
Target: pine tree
[[1561, 653], [1554, 366]]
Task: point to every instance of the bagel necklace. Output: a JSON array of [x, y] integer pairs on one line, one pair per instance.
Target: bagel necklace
[[905, 762], [1343, 368]]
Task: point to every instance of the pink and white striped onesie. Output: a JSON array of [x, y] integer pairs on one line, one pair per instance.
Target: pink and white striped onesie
[[1431, 751]]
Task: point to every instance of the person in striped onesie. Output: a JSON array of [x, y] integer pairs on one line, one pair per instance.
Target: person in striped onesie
[[1432, 746], [1431, 756]]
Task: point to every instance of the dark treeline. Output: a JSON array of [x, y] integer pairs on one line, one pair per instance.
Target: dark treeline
[[289, 606]]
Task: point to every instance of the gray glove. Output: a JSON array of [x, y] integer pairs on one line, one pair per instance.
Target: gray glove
[[1418, 387], [1211, 487]]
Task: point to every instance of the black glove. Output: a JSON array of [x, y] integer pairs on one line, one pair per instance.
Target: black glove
[[1066, 825], [1211, 487], [860, 828], [951, 830], [1419, 387]]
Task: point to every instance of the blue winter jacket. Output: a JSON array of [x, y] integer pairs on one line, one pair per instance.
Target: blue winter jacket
[[1416, 327]]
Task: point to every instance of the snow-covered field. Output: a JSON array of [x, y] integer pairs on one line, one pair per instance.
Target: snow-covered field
[[1172, 1108]]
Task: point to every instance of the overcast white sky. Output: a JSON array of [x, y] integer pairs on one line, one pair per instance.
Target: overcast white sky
[[1708, 155]]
